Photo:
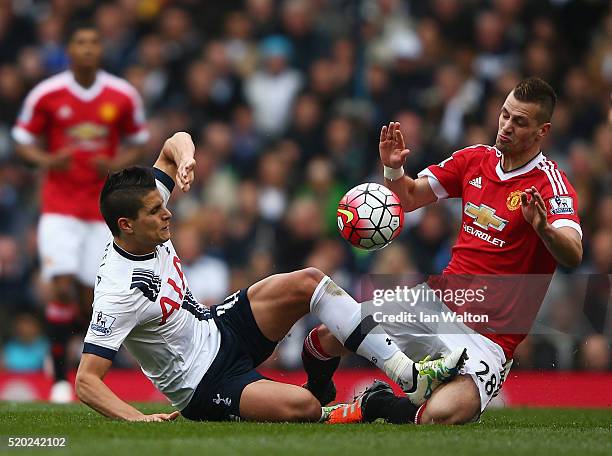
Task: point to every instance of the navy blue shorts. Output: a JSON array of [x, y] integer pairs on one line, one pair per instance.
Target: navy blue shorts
[[243, 348]]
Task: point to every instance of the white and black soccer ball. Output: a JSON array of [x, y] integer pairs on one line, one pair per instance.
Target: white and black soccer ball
[[370, 216]]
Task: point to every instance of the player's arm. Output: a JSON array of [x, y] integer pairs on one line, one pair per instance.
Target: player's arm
[[39, 157], [92, 390], [413, 193], [564, 243], [176, 159], [128, 155], [31, 123]]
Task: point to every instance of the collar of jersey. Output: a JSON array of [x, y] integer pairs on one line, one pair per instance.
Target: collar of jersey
[[131, 256], [531, 164], [86, 93]]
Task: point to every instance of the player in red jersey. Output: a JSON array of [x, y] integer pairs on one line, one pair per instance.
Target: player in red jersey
[[519, 220], [81, 115]]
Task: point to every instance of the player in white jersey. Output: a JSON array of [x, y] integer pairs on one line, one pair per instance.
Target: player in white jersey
[[204, 359]]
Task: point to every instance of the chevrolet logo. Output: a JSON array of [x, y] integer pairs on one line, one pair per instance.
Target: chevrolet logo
[[484, 216]]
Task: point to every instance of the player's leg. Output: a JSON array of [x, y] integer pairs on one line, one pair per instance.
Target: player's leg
[[456, 402], [277, 302], [464, 398], [321, 355], [416, 338], [377, 401], [231, 389], [96, 239], [85, 295], [61, 314], [266, 400], [59, 239]]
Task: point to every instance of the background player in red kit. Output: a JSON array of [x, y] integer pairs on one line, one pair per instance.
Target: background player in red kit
[[519, 217], [80, 115]]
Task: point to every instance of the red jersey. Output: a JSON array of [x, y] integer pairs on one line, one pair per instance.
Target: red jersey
[[92, 121], [495, 239]]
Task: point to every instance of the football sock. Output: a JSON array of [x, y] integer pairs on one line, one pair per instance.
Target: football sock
[[396, 410], [60, 318], [319, 366], [342, 316]]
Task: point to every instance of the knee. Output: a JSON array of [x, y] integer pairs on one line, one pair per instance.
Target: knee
[[306, 281], [312, 276]]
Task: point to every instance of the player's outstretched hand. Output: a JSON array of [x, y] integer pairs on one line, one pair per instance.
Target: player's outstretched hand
[[158, 417], [392, 149], [534, 208], [185, 174]]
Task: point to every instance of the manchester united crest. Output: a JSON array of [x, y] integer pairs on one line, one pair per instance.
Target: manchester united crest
[[108, 112], [513, 202]]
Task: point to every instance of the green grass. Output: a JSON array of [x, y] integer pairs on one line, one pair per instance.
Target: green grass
[[537, 432]]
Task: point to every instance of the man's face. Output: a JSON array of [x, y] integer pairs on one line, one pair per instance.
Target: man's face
[[152, 226], [85, 49], [519, 128]]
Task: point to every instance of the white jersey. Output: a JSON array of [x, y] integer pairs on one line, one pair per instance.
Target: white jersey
[[144, 302]]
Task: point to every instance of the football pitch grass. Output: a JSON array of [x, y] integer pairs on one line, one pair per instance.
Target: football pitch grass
[[513, 432]]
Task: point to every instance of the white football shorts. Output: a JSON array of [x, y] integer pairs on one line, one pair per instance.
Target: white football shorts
[[71, 246], [418, 337]]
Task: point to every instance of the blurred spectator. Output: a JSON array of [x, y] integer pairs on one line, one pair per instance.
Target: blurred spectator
[[495, 52], [156, 77], [324, 188], [271, 90], [429, 240], [262, 13], [451, 100], [53, 55], [119, 39], [16, 32], [208, 276], [27, 349], [297, 19], [302, 227], [246, 142], [305, 129]]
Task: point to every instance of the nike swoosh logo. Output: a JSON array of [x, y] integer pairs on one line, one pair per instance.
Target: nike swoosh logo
[[349, 214]]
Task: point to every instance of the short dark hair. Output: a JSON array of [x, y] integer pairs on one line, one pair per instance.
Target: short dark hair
[[538, 91], [122, 194], [77, 26]]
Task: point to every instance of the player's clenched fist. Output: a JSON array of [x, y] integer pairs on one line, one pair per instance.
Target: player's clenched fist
[[184, 174], [392, 149]]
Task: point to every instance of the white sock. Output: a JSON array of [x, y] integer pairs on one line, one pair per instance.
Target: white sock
[[342, 316]]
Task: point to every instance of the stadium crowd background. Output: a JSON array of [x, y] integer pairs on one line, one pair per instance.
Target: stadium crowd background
[[285, 100]]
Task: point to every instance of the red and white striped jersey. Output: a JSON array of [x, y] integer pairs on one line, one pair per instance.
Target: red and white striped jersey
[[91, 121], [495, 238]]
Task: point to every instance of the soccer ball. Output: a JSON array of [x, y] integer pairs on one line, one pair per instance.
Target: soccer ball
[[370, 216]]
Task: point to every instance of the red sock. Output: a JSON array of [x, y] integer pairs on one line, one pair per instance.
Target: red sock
[[60, 320]]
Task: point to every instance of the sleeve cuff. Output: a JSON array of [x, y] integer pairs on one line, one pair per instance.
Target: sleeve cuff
[[22, 136], [99, 351], [164, 179], [138, 138], [434, 183], [566, 222]]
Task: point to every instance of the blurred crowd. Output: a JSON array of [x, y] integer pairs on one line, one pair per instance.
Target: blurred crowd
[[285, 100]]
